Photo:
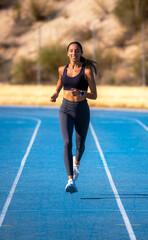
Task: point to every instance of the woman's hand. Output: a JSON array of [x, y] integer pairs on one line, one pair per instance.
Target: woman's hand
[[54, 97], [75, 92]]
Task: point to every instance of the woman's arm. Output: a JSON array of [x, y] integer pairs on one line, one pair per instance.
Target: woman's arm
[[59, 85], [92, 84]]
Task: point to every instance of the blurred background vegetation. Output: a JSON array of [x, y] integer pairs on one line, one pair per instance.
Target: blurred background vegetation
[[110, 63]]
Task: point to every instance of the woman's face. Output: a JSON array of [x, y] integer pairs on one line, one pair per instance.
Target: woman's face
[[74, 53]]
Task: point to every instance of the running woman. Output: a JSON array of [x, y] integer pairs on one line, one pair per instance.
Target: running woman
[[75, 78]]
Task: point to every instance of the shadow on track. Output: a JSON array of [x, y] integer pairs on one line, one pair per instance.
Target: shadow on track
[[110, 196]]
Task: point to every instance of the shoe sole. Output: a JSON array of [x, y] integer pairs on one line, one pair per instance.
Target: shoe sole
[[71, 189]]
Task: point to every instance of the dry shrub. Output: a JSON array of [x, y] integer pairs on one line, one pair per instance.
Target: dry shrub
[[107, 61], [108, 78], [41, 10], [103, 5], [1, 62], [51, 58], [132, 13], [80, 34], [29, 11], [24, 71], [137, 69], [7, 3]]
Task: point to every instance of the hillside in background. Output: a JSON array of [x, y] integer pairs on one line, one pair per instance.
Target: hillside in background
[[118, 50]]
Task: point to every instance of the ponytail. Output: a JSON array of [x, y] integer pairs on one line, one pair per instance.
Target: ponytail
[[87, 62]]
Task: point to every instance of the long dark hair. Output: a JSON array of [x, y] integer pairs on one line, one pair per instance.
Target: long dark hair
[[87, 62]]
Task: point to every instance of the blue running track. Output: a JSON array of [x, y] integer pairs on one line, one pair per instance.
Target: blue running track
[[112, 198]]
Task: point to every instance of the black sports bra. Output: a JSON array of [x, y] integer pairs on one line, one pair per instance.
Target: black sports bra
[[78, 82]]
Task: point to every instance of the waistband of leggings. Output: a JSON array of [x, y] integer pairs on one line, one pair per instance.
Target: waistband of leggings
[[74, 103]]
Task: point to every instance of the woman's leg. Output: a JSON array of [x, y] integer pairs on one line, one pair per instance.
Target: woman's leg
[[67, 124], [81, 127]]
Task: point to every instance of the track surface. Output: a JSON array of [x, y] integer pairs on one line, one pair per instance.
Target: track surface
[[112, 198]]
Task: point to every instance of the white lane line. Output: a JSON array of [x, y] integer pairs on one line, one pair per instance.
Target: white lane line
[[140, 123], [9, 198], [114, 189], [137, 121]]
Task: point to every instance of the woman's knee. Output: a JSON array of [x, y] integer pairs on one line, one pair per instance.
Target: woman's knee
[[67, 144]]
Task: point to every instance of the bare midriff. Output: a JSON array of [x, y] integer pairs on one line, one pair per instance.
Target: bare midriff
[[68, 95]]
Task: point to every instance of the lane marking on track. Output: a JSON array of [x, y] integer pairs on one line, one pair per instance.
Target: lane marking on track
[[9, 198], [114, 189], [140, 123], [136, 224], [137, 121]]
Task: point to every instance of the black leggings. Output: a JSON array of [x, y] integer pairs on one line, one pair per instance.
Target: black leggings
[[73, 114]]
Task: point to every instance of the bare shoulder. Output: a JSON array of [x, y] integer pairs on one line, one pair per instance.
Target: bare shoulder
[[61, 69], [88, 72]]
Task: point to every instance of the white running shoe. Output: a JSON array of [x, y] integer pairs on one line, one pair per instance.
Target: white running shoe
[[75, 169], [71, 186]]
